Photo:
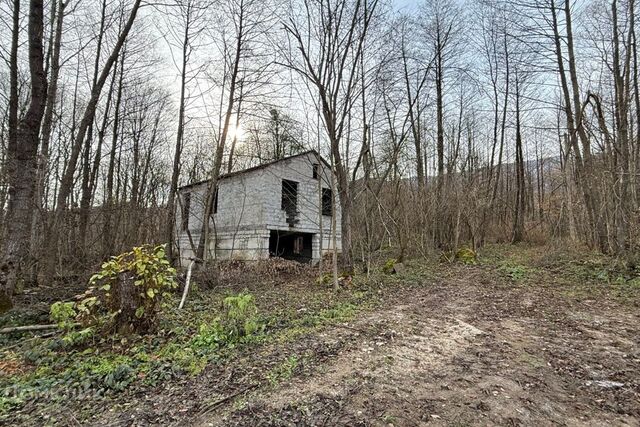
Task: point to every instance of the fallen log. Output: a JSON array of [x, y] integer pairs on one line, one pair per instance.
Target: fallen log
[[217, 403], [20, 342], [27, 328]]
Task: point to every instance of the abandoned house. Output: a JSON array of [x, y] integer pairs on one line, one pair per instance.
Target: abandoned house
[[282, 208]]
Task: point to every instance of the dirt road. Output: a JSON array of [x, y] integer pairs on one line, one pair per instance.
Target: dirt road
[[462, 350]]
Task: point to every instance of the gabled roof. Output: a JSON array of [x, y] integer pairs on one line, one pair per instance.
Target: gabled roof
[[258, 167]]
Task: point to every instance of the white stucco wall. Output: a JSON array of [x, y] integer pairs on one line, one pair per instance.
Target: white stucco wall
[[249, 206]]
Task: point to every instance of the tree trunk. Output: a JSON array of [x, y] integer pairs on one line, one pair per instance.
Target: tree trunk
[[12, 141], [175, 174], [414, 122], [584, 167], [622, 92], [439, 121], [518, 222], [66, 182], [108, 234], [22, 180], [203, 243], [47, 125]]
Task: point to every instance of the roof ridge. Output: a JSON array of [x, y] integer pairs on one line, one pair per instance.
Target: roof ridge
[[257, 167]]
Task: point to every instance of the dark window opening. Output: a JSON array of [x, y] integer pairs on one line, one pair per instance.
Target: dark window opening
[[316, 171], [289, 198], [327, 201], [292, 246], [214, 202], [186, 208]]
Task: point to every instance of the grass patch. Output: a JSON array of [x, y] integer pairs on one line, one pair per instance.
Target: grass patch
[[283, 371], [577, 272], [518, 273]]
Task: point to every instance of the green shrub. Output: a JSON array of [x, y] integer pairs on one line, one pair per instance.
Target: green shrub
[[8, 403], [210, 336], [241, 316], [128, 290], [75, 338], [325, 279], [466, 256], [177, 359], [239, 323], [283, 371], [388, 267], [119, 378], [515, 272], [124, 295], [341, 312], [63, 313]]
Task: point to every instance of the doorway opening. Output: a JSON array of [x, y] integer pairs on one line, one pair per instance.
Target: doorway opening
[[291, 245]]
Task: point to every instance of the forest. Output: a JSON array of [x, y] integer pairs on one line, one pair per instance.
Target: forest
[[485, 159]]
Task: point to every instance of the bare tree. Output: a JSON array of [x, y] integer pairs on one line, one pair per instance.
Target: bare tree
[[23, 159], [330, 40], [248, 19], [191, 13], [442, 30], [66, 182]]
